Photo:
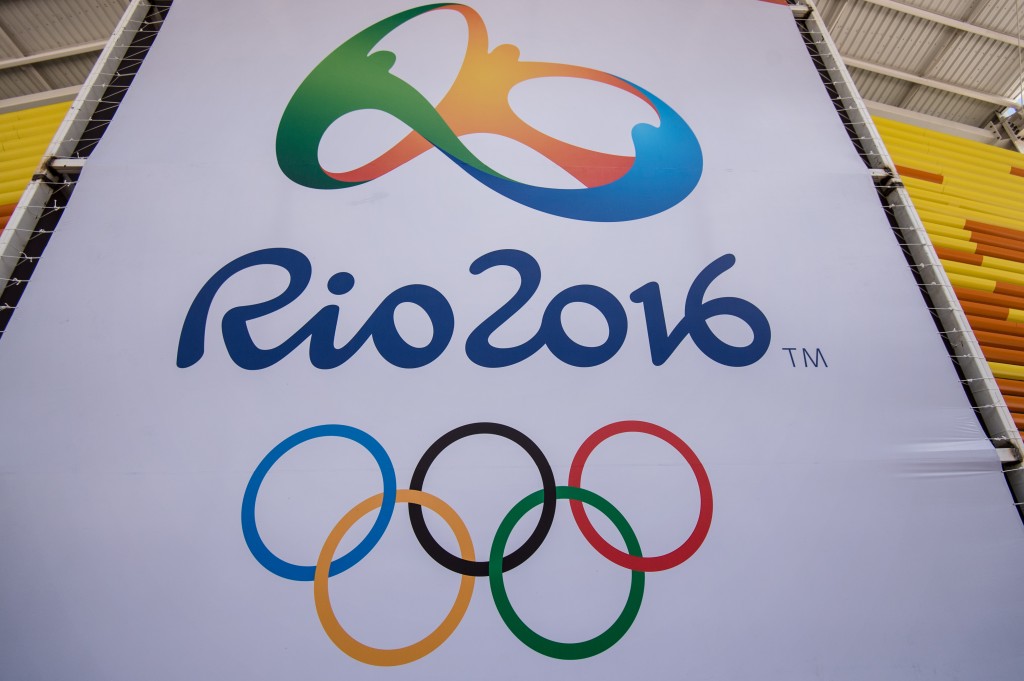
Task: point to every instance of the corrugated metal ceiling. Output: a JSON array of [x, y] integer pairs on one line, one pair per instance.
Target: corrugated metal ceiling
[[893, 38], [33, 27], [41, 25]]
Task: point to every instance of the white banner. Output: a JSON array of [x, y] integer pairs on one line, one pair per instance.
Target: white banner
[[604, 287]]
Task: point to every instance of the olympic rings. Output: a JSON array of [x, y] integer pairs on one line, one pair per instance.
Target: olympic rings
[[545, 646], [465, 564], [532, 543], [322, 597], [634, 562], [305, 573]]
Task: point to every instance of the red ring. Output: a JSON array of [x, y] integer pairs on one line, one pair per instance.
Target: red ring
[[642, 563]]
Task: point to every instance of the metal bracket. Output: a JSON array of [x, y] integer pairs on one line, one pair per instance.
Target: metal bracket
[[886, 180], [1007, 455], [68, 168]]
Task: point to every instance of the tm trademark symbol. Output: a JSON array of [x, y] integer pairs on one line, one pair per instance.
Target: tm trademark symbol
[[812, 357]]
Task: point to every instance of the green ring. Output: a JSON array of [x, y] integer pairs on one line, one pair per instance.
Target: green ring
[[545, 646]]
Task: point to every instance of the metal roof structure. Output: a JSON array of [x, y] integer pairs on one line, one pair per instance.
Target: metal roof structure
[[48, 47], [951, 65]]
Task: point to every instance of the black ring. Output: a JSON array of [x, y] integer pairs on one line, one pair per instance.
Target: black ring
[[547, 511]]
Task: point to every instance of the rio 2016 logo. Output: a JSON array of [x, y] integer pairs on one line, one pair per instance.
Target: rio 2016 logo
[[666, 167], [353, 77], [497, 561], [382, 331]]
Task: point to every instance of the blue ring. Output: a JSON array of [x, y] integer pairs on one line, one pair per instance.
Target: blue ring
[[304, 573]]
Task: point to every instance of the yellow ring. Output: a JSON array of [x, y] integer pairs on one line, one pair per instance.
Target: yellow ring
[[383, 657]]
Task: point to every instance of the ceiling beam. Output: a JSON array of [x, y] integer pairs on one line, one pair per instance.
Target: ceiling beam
[[947, 21], [65, 94], [60, 53], [989, 97], [931, 122]]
